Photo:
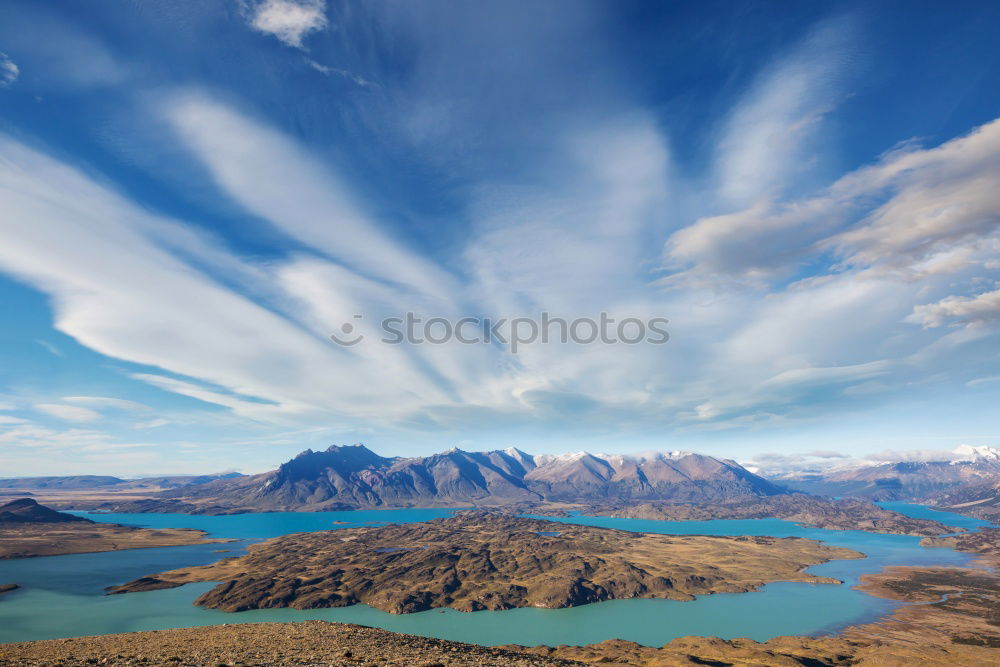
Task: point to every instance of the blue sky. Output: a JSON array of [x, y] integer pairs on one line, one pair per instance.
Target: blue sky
[[195, 195]]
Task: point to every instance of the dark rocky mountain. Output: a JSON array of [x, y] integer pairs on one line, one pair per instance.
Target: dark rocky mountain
[[27, 510], [354, 476], [906, 480]]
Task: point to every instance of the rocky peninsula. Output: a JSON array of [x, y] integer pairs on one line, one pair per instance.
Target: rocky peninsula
[[479, 560], [29, 529], [841, 514], [985, 542]]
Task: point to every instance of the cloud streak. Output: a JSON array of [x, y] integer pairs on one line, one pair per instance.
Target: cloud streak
[[9, 71]]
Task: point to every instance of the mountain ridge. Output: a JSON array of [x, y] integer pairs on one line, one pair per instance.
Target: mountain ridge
[[353, 476]]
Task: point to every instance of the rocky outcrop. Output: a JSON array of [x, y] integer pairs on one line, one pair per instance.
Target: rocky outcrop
[[479, 560], [27, 510]]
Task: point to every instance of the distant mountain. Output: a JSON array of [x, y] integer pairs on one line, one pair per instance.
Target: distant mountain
[[72, 482], [173, 481], [26, 510], [354, 476], [906, 480], [108, 483], [980, 499], [659, 476]]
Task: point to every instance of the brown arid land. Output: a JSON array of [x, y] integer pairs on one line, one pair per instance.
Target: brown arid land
[[985, 543], [481, 560], [265, 644], [28, 540], [842, 514], [29, 529]]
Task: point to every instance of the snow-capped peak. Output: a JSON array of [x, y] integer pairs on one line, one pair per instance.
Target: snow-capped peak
[[969, 453], [654, 455], [543, 459]]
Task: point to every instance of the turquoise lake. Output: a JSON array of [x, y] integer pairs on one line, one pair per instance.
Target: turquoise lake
[[62, 596]]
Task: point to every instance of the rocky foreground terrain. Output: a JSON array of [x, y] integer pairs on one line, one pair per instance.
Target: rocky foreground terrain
[[265, 644], [478, 560], [29, 529], [843, 514]]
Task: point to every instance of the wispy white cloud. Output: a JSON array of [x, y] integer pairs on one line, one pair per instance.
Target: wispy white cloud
[[195, 328], [980, 309], [276, 178], [582, 241], [9, 71], [152, 423], [337, 71], [767, 135], [106, 403], [72, 413], [52, 349], [288, 20]]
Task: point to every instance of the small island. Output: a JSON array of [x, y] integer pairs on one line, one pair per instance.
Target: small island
[[489, 561]]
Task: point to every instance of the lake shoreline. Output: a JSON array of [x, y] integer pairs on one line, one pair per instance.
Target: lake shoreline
[[778, 609]]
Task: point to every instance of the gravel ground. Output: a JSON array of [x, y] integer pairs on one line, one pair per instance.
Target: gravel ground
[[305, 643]]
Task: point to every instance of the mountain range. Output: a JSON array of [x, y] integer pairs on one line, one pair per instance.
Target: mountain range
[[966, 466], [356, 477]]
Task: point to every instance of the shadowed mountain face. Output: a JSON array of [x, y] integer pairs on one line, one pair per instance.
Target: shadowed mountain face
[[26, 510], [354, 476]]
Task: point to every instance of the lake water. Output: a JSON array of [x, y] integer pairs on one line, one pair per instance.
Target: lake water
[[62, 596]]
